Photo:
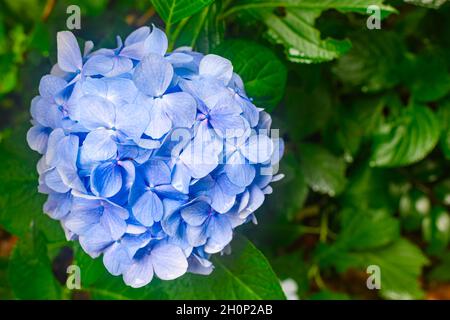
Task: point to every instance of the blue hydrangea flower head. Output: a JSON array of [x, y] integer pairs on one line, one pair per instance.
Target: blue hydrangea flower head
[[150, 159]]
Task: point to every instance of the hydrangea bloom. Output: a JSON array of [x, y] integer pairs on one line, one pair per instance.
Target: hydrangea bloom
[[149, 158]]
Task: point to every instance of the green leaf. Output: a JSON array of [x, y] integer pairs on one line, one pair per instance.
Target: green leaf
[[293, 188], [354, 125], [444, 115], [20, 202], [372, 238], [245, 274], [369, 229], [10, 73], [414, 205], [329, 295], [401, 265], [26, 10], [293, 266], [295, 28], [407, 138], [373, 63], [203, 31], [5, 288], [92, 7], [435, 4], [442, 191], [30, 270], [342, 5], [368, 188], [40, 39], [323, 171], [440, 271], [172, 11], [436, 230], [307, 110], [361, 230], [263, 73], [428, 77], [302, 42]]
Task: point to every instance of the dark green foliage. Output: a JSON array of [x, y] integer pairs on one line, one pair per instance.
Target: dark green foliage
[[244, 275], [365, 116]]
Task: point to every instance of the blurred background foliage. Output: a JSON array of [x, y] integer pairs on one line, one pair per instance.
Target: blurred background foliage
[[365, 115]]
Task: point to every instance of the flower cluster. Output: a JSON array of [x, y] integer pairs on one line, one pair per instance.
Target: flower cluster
[[150, 158]]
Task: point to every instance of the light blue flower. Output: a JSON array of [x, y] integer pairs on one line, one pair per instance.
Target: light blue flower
[[150, 159], [152, 185], [153, 76], [137, 45]]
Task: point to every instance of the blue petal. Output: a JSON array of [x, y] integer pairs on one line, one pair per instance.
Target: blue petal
[[215, 66], [106, 179], [136, 46], [221, 234], [181, 108], [70, 177], [98, 65], [148, 208], [62, 149], [169, 261], [226, 120], [171, 223], [69, 55], [238, 171], [53, 181], [199, 265], [135, 242], [258, 148], [181, 178], [137, 35], [168, 191], [128, 172], [222, 200], [46, 112], [94, 87], [179, 59], [196, 236], [127, 151], [58, 205], [250, 112], [278, 147], [113, 220], [37, 138], [121, 65], [196, 214], [228, 187], [156, 172], [140, 273], [99, 146], [148, 145], [210, 92], [50, 85], [93, 112], [116, 259], [200, 158], [159, 123], [88, 46], [153, 75], [157, 42], [255, 201], [132, 119], [95, 240], [83, 215], [265, 121]]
